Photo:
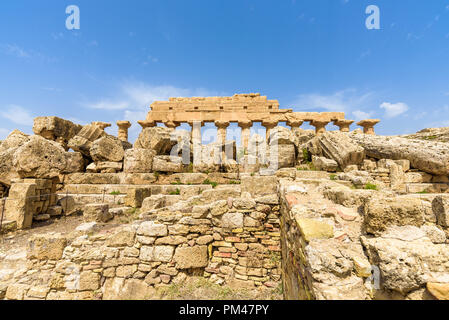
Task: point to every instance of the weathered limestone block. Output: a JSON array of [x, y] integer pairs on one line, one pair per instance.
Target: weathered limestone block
[[14, 140], [56, 129], [41, 158], [89, 281], [123, 238], [152, 229], [260, 186], [232, 220], [439, 290], [208, 158], [135, 197], [138, 160], [408, 265], [97, 212], [158, 139], [312, 229], [324, 164], [108, 166], [282, 156], [339, 147], [189, 178], [19, 207], [82, 142], [281, 135], [381, 213], [223, 193], [440, 207], [191, 257], [167, 164], [304, 136], [68, 205], [249, 164], [430, 157], [46, 246], [163, 253], [156, 201], [127, 289], [107, 148]]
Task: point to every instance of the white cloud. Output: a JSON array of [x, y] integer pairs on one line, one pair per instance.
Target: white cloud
[[361, 115], [348, 101], [394, 109], [109, 105], [15, 50], [135, 98], [17, 115]]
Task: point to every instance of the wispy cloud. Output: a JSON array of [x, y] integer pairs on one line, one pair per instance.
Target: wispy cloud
[[393, 110], [15, 50], [344, 101], [135, 98], [17, 115], [360, 115]]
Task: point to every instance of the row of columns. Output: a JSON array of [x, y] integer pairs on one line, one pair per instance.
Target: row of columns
[[123, 127], [245, 125]]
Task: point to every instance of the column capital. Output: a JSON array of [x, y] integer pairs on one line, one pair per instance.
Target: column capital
[[295, 123], [245, 124], [368, 125], [270, 123], [147, 124], [320, 125], [124, 124], [102, 125], [222, 124], [171, 124], [343, 124]]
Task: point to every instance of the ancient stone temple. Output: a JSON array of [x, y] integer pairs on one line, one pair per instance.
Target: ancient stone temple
[[244, 109]]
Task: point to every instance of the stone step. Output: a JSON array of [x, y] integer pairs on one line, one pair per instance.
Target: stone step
[[123, 189], [302, 174], [427, 187], [81, 199]]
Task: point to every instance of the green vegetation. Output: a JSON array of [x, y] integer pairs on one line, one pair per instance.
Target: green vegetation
[[177, 192], [212, 183], [424, 192], [115, 193], [235, 182], [370, 186], [333, 177], [156, 175], [176, 183], [306, 156]]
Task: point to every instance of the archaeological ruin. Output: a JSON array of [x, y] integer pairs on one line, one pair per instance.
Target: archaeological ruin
[[296, 214]]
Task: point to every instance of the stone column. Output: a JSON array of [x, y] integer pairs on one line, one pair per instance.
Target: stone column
[[102, 125], [172, 124], [268, 126], [221, 130], [320, 126], [123, 127], [147, 124], [246, 132], [295, 124], [368, 125], [343, 124], [196, 131]]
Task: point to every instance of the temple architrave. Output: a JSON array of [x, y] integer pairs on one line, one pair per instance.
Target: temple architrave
[[244, 109]]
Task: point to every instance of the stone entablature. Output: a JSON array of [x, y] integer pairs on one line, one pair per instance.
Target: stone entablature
[[247, 108]]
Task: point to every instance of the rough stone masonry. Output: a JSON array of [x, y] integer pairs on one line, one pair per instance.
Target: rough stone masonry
[[321, 214]]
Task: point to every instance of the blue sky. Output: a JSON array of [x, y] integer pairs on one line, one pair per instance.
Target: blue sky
[[313, 55]]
